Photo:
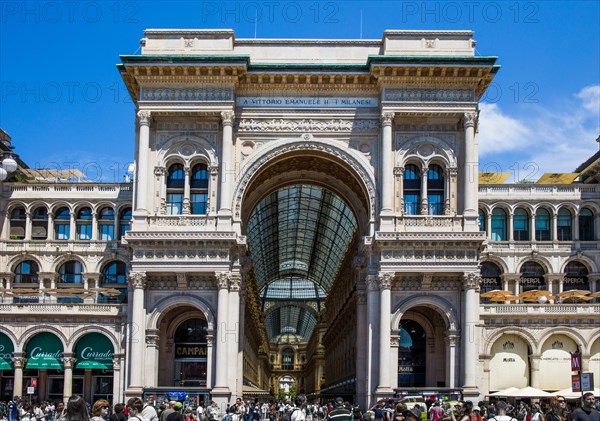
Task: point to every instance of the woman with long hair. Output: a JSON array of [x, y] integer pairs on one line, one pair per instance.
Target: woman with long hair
[[75, 410], [558, 409], [100, 410]]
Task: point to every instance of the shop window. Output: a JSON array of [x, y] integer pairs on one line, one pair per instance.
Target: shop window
[[542, 225], [499, 225], [521, 225], [190, 349], [564, 225], [412, 189]]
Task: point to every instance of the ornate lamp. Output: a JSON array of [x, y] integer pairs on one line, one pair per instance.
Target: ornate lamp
[[9, 164]]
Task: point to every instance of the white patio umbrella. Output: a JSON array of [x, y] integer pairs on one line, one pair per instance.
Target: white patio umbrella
[[506, 392], [532, 392], [569, 394]]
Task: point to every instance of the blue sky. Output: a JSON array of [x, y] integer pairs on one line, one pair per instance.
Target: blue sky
[[64, 104]]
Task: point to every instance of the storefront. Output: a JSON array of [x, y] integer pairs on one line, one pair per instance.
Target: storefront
[[44, 367], [6, 368], [94, 353]]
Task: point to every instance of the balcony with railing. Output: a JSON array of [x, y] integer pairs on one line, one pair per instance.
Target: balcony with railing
[[533, 310], [539, 191], [49, 191]]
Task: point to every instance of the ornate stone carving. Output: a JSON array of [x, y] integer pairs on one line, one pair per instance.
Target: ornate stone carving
[[116, 363], [223, 279], [429, 95], [372, 283], [144, 117], [235, 282], [182, 280], [210, 340], [385, 280], [387, 118], [188, 42], [137, 280], [160, 171], [308, 125], [470, 119], [204, 94], [227, 117], [452, 340], [19, 362], [152, 338], [471, 280], [69, 362]]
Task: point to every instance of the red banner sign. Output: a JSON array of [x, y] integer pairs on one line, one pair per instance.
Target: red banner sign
[[34, 382], [575, 361], [576, 383]]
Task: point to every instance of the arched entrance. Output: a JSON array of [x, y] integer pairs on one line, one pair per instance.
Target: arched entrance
[[303, 213]]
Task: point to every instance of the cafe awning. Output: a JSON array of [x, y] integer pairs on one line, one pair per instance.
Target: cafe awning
[[44, 351], [94, 351], [6, 352]]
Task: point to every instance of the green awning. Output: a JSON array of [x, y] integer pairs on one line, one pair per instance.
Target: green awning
[[6, 352], [94, 351], [44, 351]]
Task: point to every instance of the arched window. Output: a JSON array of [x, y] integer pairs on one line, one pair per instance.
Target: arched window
[[287, 359], [39, 223], [499, 225], [114, 276], [26, 272], [124, 222], [532, 276], [521, 225], [71, 272], [190, 347], [18, 219], [199, 189], [412, 189], [564, 227], [586, 225], [576, 276], [106, 224], [175, 187], [435, 190], [482, 220], [490, 278], [542, 225], [62, 224], [84, 224]]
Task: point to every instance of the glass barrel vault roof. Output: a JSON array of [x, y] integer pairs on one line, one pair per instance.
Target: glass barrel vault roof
[[298, 237]]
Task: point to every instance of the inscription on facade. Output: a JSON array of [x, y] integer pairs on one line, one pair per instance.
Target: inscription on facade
[[299, 102]]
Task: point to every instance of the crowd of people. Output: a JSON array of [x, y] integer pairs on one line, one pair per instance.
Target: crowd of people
[[556, 409]]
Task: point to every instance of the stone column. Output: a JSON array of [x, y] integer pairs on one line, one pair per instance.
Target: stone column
[[72, 226], [488, 226], [399, 174], [447, 193], [152, 347], [534, 360], [554, 226], [117, 379], [69, 364], [451, 343], [19, 363], [372, 335], [361, 343], [137, 281], [210, 354], [95, 226], [233, 334], [27, 225], [470, 180], [159, 173], [221, 388], [576, 227], [385, 304], [509, 227], [227, 164], [387, 168], [424, 199], [532, 236], [471, 282], [186, 192], [51, 233], [141, 170]]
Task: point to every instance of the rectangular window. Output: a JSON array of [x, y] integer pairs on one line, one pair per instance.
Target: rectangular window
[[174, 203], [411, 204], [436, 204], [107, 232], [84, 231], [498, 229], [542, 229], [62, 231], [199, 202]]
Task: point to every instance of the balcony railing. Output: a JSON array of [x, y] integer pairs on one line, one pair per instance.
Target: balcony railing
[[540, 309], [542, 191], [428, 223], [63, 309]]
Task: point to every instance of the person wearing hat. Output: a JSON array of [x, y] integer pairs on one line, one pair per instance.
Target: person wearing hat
[[176, 415], [341, 411]]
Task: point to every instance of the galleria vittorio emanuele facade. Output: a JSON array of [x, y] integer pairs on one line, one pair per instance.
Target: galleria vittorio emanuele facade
[[304, 215]]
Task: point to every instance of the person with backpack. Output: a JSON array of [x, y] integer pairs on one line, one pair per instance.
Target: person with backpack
[[341, 412]]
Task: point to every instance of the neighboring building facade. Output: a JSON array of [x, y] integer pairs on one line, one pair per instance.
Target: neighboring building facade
[[306, 216]]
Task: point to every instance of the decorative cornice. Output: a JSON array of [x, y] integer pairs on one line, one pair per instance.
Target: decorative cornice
[[471, 280], [186, 94], [429, 95], [308, 125], [137, 279]]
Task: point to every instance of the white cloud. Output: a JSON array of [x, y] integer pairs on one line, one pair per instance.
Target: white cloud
[[551, 140]]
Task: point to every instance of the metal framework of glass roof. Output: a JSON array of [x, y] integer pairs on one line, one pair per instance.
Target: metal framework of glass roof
[[298, 237]]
